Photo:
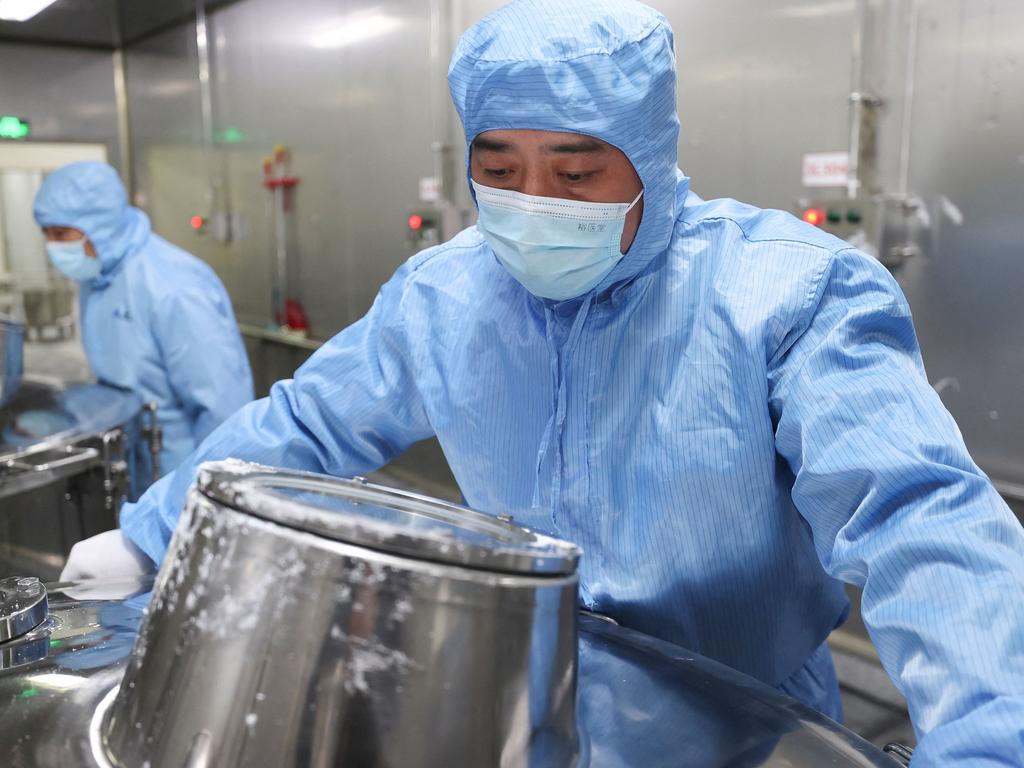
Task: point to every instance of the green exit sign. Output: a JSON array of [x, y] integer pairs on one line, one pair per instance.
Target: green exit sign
[[13, 127]]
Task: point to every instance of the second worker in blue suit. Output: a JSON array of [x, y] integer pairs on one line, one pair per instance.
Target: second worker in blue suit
[[155, 319]]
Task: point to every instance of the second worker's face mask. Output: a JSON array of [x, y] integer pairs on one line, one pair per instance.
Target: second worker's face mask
[[558, 249], [70, 258]]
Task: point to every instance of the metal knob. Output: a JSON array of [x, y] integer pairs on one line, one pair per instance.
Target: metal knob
[[23, 606]]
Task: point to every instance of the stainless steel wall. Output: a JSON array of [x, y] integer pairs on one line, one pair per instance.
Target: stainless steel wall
[[66, 94], [346, 87], [967, 163], [760, 85]]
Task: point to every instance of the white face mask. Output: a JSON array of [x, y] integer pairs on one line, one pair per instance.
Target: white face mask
[[71, 259], [558, 249]]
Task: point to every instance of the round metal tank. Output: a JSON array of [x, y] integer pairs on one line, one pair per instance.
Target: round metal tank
[[300, 616], [274, 637], [64, 468]]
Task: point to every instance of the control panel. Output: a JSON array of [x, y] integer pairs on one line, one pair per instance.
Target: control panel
[[846, 219], [423, 226]]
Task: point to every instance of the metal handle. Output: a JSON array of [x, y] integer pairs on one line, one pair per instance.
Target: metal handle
[[73, 462], [900, 753], [42, 466]]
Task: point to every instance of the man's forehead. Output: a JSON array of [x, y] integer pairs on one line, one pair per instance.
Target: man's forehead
[[505, 140]]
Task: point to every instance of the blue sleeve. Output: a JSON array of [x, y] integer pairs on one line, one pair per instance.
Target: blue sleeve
[[351, 408], [203, 354], [897, 507]]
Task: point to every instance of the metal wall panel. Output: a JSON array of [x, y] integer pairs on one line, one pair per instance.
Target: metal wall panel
[[760, 84], [967, 163], [66, 94], [344, 86]]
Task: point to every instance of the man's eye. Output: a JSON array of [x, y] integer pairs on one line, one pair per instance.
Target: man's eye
[[573, 178], [496, 173]]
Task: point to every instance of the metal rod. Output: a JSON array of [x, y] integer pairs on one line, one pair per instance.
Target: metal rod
[[909, 84], [281, 234], [206, 101], [856, 99], [124, 144]]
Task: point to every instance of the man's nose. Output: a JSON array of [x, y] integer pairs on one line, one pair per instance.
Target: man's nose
[[538, 185]]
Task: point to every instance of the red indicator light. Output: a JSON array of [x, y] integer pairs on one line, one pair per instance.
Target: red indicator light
[[415, 221], [196, 222], [814, 216]]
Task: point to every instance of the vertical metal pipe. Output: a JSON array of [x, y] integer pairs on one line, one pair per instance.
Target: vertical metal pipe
[[856, 98], [439, 125], [281, 251], [909, 85], [206, 102], [124, 145]]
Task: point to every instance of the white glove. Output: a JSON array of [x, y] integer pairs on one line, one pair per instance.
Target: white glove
[[107, 555]]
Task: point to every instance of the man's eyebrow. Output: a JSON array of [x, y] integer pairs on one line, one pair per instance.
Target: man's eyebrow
[[491, 145], [583, 146]]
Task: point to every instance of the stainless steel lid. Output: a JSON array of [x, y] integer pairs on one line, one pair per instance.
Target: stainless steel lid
[[385, 519], [23, 606]]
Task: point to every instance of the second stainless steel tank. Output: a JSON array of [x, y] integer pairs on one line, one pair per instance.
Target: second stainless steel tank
[[64, 467]]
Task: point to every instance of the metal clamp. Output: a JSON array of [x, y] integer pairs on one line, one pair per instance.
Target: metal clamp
[[23, 606], [155, 437], [900, 753], [115, 470]]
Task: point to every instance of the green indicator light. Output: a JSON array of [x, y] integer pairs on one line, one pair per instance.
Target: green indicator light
[[853, 216], [834, 216], [13, 127], [231, 136], [56, 643], [28, 693]]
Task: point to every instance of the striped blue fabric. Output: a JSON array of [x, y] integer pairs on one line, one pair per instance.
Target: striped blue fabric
[[733, 423], [157, 321]]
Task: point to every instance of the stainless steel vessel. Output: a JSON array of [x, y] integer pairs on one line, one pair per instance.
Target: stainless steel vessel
[[12, 338], [304, 621], [640, 701], [64, 467]]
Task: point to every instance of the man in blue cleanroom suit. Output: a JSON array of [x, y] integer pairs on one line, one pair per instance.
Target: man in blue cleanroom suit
[[155, 319], [731, 419]]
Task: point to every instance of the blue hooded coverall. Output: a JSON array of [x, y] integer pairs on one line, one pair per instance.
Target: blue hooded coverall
[[157, 320], [735, 421]]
